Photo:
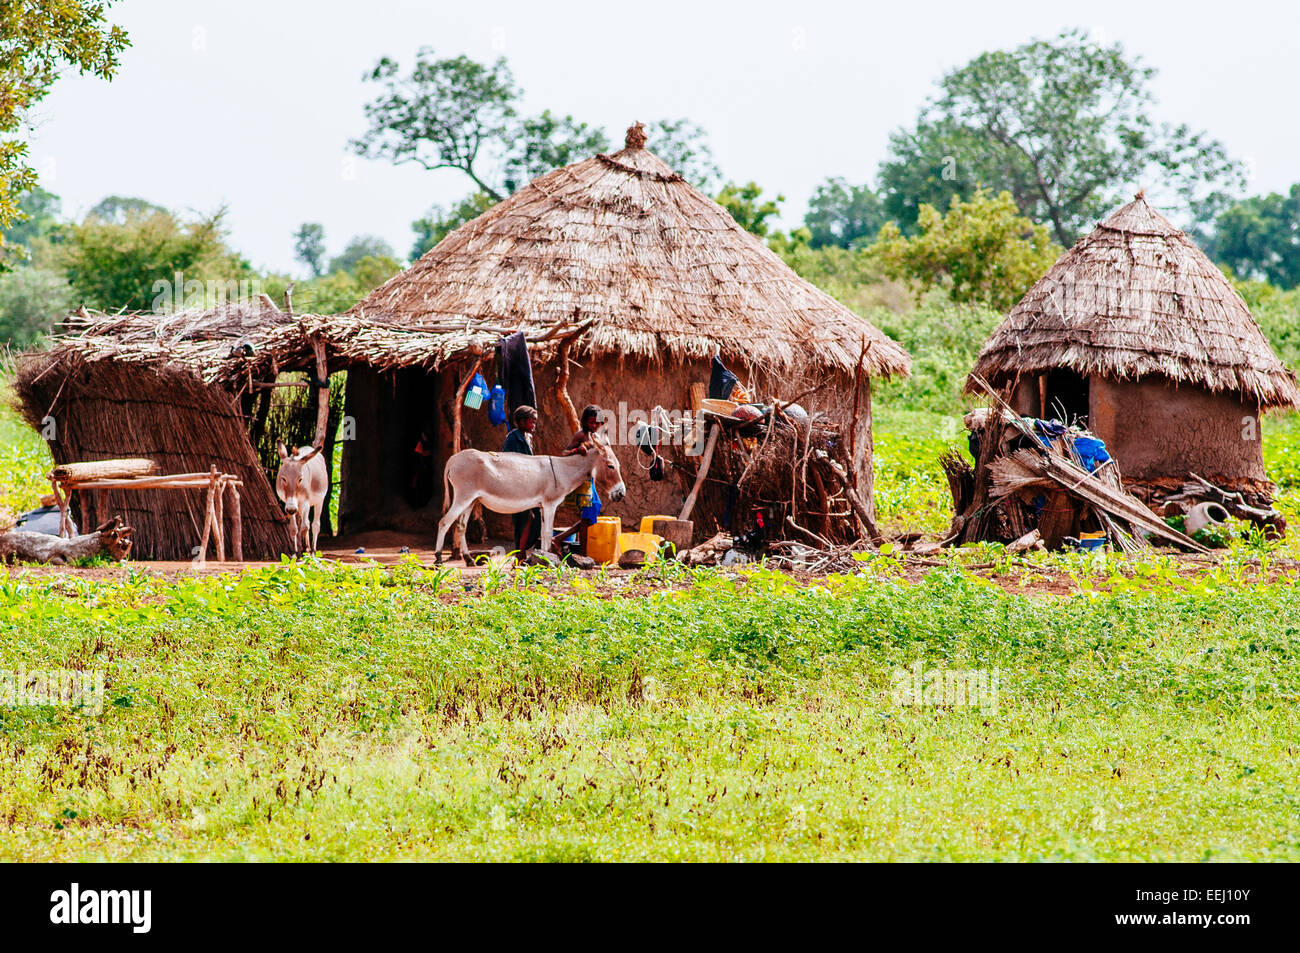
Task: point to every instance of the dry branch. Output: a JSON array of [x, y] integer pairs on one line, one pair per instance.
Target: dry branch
[[113, 538]]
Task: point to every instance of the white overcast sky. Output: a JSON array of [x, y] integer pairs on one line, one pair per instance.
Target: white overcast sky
[[252, 104]]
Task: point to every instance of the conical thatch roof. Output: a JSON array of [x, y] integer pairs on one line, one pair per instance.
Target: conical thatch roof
[[1136, 297], [658, 269]]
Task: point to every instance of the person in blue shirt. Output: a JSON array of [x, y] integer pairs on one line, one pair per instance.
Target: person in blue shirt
[[528, 525]]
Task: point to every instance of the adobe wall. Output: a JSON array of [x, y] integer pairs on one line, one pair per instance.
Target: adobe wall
[[1156, 429], [375, 463]]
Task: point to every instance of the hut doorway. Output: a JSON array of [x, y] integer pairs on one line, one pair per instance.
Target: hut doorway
[[1063, 395], [393, 458]]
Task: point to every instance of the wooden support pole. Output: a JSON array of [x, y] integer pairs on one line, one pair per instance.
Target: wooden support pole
[[460, 404], [236, 525], [89, 509], [65, 521], [562, 387], [703, 472], [207, 528], [322, 391], [219, 514]]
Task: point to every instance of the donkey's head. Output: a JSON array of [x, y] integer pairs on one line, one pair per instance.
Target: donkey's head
[[288, 482], [605, 469]]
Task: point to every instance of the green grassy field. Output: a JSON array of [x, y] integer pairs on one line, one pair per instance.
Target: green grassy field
[[311, 711], [317, 712]]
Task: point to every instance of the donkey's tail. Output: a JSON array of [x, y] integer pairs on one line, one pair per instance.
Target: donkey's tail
[[446, 489]]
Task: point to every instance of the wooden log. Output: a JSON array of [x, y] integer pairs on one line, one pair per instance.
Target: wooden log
[[112, 538], [178, 481], [105, 470], [707, 459]]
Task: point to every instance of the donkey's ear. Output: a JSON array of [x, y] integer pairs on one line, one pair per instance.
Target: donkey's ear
[[281, 450], [311, 453]]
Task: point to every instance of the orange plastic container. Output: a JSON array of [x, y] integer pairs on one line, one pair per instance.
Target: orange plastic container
[[648, 543], [602, 539], [648, 522]]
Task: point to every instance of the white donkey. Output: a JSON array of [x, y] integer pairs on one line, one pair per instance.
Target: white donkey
[[515, 482], [301, 485]]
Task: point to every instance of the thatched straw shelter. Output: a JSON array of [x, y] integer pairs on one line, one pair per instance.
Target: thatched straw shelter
[[151, 386], [1135, 330], [625, 280], [630, 279]]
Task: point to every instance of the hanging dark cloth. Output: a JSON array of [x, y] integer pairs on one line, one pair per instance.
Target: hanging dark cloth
[[516, 374], [721, 380]]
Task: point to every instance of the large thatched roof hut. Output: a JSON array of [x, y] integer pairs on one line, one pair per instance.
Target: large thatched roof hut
[[1137, 331], [639, 279], [623, 277]]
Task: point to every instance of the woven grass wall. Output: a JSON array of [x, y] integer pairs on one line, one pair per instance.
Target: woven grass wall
[[106, 409]]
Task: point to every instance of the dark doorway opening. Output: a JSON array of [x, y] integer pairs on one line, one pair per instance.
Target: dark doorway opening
[[393, 459], [1064, 397]]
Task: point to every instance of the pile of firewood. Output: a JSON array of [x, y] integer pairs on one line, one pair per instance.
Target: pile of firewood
[[1029, 478]]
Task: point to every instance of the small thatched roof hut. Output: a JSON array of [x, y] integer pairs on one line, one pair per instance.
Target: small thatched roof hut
[[1137, 331], [156, 386]]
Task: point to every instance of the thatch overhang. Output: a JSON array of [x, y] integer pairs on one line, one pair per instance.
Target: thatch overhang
[[1136, 298], [648, 267]]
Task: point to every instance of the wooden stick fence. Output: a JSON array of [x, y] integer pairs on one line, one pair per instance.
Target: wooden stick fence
[[218, 485]]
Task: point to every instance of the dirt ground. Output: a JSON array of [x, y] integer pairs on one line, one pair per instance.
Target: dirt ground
[[386, 548]]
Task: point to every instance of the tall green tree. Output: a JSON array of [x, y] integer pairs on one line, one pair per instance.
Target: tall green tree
[[549, 142], [359, 247], [115, 265], [843, 215], [457, 113], [1064, 126], [39, 39], [980, 251], [748, 208], [684, 146], [309, 246], [444, 114], [1259, 238]]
